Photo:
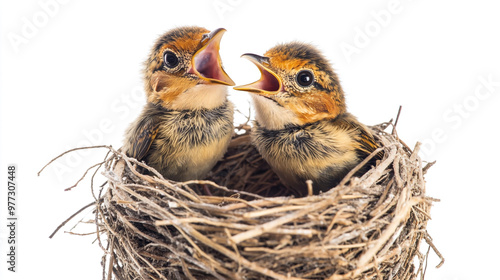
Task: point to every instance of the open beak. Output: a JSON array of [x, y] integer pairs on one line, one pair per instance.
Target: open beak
[[206, 62], [269, 83]]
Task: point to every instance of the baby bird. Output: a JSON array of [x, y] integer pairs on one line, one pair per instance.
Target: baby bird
[[187, 123], [302, 127]]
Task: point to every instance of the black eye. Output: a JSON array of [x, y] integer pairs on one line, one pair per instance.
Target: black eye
[[305, 78], [170, 59]]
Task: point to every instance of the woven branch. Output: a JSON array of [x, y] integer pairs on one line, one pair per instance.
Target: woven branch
[[254, 228]]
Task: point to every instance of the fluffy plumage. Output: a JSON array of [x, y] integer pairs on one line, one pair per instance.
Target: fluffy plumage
[[187, 123], [182, 145], [302, 128]]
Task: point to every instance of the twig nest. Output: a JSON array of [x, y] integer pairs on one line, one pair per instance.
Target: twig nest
[[253, 228]]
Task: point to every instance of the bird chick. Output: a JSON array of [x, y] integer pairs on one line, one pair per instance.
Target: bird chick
[[187, 122], [302, 127]]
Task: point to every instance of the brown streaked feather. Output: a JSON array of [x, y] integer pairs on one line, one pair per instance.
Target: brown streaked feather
[[324, 151], [180, 145], [367, 143], [364, 139], [144, 137]]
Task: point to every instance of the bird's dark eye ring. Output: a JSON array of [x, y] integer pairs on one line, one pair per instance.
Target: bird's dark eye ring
[[170, 59], [305, 78]]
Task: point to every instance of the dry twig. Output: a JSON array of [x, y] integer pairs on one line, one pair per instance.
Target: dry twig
[[252, 227]]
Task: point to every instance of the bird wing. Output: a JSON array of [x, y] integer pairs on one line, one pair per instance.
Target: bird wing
[[144, 137], [367, 141], [364, 137]]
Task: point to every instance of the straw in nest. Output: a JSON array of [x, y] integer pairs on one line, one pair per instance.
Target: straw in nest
[[253, 228], [365, 228]]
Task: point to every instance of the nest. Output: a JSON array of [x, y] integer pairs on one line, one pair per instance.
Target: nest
[[249, 226]]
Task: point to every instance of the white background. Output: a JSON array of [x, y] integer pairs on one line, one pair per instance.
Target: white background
[[71, 76]]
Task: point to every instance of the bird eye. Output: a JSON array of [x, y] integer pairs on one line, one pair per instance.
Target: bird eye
[[171, 60], [305, 78]]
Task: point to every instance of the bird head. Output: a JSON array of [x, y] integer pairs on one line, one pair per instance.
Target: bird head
[[184, 69], [297, 86]]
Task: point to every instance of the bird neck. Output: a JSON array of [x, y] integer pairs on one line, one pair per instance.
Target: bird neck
[[157, 109], [271, 115], [201, 96]]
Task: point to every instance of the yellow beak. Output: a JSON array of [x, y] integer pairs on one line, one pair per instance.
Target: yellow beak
[[269, 83], [206, 62]]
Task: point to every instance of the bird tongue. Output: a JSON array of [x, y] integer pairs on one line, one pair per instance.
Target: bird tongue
[[207, 64]]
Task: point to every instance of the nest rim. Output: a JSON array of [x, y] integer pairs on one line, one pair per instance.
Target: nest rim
[[196, 254]]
